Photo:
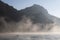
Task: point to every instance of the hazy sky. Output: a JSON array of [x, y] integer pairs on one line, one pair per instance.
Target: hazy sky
[[53, 6]]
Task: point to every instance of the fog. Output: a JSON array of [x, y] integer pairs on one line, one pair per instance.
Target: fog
[[31, 19], [26, 25]]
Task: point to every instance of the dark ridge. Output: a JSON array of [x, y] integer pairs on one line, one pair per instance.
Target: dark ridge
[[10, 18], [9, 12], [37, 13]]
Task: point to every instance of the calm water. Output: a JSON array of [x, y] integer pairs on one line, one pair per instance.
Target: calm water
[[31, 37]]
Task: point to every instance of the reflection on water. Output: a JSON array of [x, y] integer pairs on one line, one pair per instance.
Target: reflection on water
[[31, 37]]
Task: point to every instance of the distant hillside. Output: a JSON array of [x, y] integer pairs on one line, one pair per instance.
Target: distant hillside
[[8, 17], [30, 19], [37, 13], [10, 13]]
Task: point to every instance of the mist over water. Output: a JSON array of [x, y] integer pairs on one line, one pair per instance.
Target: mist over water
[[30, 19], [26, 25], [31, 23]]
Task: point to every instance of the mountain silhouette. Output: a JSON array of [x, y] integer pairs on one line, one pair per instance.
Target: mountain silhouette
[[10, 13], [33, 18], [37, 13]]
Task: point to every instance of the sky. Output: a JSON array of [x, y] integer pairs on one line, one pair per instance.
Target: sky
[[52, 6]]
